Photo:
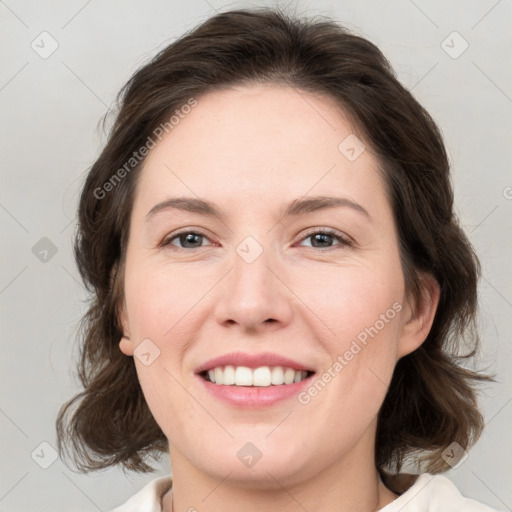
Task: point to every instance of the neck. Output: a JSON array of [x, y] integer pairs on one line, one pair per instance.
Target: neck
[[350, 484]]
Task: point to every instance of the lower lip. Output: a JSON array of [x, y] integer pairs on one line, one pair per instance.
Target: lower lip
[[254, 397]]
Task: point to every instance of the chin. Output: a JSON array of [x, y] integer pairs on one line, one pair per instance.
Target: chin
[[257, 464]]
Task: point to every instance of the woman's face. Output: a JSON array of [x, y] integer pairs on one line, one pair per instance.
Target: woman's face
[[255, 285]]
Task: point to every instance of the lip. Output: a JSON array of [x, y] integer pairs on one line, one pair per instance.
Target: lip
[[252, 361], [248, 397]]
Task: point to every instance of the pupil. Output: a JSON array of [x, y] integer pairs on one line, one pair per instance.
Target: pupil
[[321, 237], [189, 238]]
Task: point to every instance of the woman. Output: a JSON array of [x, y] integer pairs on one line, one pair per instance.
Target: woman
[[306, 344]]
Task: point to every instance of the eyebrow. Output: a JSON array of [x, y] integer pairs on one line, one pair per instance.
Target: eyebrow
[[294, 208]]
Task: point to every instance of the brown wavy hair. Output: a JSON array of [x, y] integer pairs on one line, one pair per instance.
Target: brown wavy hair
[[431, 401]]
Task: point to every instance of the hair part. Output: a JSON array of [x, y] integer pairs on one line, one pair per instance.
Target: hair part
[[431, 401]]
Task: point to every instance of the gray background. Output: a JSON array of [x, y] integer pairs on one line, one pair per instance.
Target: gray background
[[50, 109]]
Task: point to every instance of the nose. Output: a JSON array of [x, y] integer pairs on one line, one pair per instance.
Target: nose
[[254, 295]]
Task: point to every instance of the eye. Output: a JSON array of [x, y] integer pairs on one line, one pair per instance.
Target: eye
[[324, 236], [192, 239], [188, 239]]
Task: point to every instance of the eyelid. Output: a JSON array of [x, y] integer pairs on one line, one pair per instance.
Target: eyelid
[[344, 239], [171, 236]]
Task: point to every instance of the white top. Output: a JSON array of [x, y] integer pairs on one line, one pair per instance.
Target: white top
[[429, 493]]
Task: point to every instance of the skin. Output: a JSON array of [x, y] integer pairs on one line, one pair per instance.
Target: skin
[[251, 150]]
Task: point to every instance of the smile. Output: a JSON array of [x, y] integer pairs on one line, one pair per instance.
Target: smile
[[254, 381], [262, 376]]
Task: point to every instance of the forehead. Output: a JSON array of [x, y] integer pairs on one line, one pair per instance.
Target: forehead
[[270, 141]]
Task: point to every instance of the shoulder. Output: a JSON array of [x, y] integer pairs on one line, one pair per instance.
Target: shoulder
[[434, 493], [148, 499]]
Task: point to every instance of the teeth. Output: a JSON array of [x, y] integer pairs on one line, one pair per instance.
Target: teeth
[[243, 376], [228, 378], [263, 376], [289, 376], [277, 377]]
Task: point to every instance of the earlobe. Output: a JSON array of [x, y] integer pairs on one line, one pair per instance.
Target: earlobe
[[126, 346], [420, 317]]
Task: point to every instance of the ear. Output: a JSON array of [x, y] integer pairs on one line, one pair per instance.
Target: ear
[[125, 345], [419, 316]]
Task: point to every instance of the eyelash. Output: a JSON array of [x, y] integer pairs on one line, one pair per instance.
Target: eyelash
[[343, 239]]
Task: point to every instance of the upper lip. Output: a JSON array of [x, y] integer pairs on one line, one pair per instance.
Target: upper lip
[[251, 361]]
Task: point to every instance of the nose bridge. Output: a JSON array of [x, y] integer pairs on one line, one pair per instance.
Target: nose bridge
[[251, 267], [252, 293], [252, 279]]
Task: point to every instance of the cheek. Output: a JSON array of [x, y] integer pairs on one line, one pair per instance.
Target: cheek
[[353, 299], [340, 302], [159, 299], [362, 309], [160, 306]]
